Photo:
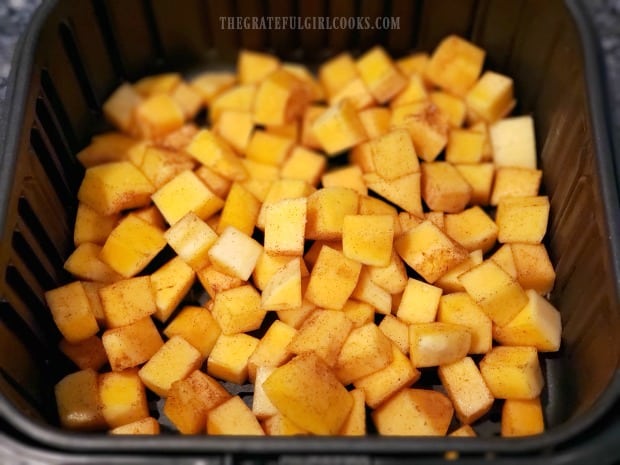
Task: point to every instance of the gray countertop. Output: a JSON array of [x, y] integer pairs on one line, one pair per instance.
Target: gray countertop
[[15, 15]]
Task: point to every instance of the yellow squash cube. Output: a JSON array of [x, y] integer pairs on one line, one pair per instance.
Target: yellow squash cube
[[281, 98], [443, 188], [131, 345], [127, 301], [132, 245], [113, 187], [394, 155], [429, 251], [254, 66], [229, 357], [191, 238], [72, 312], [433, 344], [459, 308], [190, 399], [339, 128], [91, 226], [322, 333], [513, 372], [380, 74], [285, 225], [495, 291], [78, 401], [491, 98], [119, 108], [333, 279], [306, 391], [197, 198], [466, 388], [284, 290], [404, 191], [472, 228], [455, 65], [414, 412], [522, 417], [368, 238], [427, 125], [522, 219], [514, 142], [171, 283], [235, 253], [238, 310], [158, 115], [304, 164], [123, 399], [539, 325], [197, 326], [233, 417], [480, 177], [326, 210], [382, 384], [84, 263], [87, 353], [515, 182], [148, 425], [272, 350], [176, 359]]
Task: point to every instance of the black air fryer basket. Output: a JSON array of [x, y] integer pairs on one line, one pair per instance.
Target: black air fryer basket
[[76, 52]]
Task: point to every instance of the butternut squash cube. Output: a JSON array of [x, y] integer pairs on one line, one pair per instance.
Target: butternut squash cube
[[302, 73], [158, 115], [427, 125], [92, 293], [131, 345], [84, 263], [78, 401], [533, 266], [358, 312], [255, 66], [308, 139], [429, 251], [210, 84], [455, 65], [382, 384], [215, 281], [376, 121], [296, 317], [161, 165], [304, 164], [163, 83], [233, 417], [212, 151], [404, 191], [188, 99], [464, 146], [323, 333], [90, 226], [332, 279], [326, 210], [380, 74], [176, 359], [394, 155], [433, 344], [235, 253], [480, 177], [123, 399], [272, 349], [368, 238], [218, 184], [262, 408], [361, 156], [72, 312], [459, 308], [504, 258], [119, 108], [107, 147], [337, 72], [443, 188], [229, 357], [466, 389], [306, 391], [522, 219], [283, 291], [414, 412], [113, 187], [514, 142], [235, 127], [464, 431], [539, 325], [349, 176], [513, 372], [419, 302], [238, 310], [451, 106], [449, 282], [472, 228], [87, 353], [127, 301], [397, 331], [495, 291], [414, 91], [279, 425], [413, 63], [148, 425], [370, 293], [268, 148], [491, 98], [365, 351], [197, 198], [237, 98], [522, 417], [338, 128], [132, 245], [281, 98], [197, 326], [356, 92], [355, 424], [285, 225], [515, 182], [171, 283], [392, 278], [282, 189], [190, 399]]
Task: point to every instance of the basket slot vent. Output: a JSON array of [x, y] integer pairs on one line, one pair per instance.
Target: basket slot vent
[[284, 41], [368, 37], [151, 24], [225, 41], [31, 220], [52, 167], [57, 123], [28, 255], [103, 18], [340, 39], [408, 14], [68, 42]]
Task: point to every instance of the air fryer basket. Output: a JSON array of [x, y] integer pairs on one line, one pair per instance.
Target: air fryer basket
[[77, 51]]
